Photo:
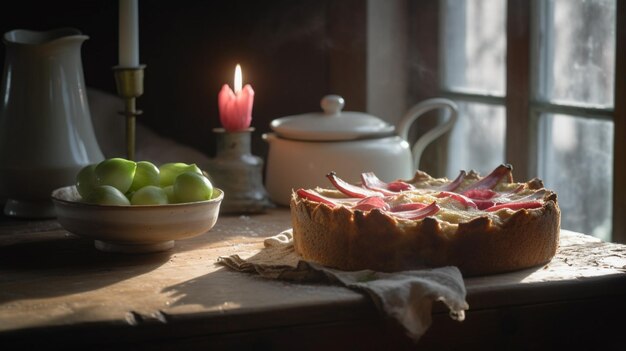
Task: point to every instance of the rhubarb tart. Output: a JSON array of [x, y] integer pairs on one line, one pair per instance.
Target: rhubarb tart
[[482, 225]]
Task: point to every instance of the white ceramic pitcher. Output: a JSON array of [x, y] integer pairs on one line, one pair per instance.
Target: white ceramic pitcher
[[46, 134]]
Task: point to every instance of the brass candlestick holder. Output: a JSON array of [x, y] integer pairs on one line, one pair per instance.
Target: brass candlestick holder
[[129, 83]]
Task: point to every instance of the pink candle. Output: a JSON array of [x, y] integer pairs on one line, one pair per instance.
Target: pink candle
[[236, 107]]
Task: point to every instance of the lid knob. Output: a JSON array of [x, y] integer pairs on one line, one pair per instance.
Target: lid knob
[[332, 104]]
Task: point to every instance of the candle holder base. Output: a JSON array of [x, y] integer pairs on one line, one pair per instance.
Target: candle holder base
[[238, 173]]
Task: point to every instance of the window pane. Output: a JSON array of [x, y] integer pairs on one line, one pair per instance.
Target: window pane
[[577, 53], [575, 160], [477, 139], [474, 43]]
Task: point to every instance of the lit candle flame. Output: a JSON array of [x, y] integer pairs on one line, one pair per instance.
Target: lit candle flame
[[238, 79], [236, 106]]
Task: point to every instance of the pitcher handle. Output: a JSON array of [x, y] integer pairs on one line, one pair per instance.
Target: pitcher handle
[[451, 115]]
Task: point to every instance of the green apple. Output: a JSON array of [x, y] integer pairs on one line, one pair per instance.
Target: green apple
[[116, 172], [106, 195], [169, 171], [149, 195], [192, 187], [86, 180], [145, 174], [169, 191]]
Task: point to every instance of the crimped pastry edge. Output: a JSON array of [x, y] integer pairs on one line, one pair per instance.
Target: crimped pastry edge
[[354, 240]]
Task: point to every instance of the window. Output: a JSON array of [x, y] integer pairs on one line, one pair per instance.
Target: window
[[574, 61], [535, 83], [474, 74]]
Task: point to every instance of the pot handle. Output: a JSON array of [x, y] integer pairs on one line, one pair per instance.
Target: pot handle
[[450, 117]]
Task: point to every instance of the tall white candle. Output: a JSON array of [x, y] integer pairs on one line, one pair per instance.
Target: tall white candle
[[128, 33]]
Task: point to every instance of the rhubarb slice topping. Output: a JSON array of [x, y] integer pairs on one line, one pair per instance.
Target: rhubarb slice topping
[[455, 183], [349, 189], [429, 210], [465, 201], [315, 196], [372, 182], [490, 181], [370, 203], [403, 200]]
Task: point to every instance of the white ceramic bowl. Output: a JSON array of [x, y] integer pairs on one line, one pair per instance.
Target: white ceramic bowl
[[134, 229]]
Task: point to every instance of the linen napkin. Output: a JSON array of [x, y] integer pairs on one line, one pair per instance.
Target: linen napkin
[[404, 296]]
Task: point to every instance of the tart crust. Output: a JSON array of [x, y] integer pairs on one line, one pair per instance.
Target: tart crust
[[351, 240]]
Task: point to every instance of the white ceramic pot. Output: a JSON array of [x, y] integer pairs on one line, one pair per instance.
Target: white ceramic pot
[[304, 148]]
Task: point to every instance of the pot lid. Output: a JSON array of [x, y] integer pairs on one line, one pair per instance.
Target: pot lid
[[332, 124]]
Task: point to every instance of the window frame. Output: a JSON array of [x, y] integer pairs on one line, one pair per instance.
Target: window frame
[[522, 111], [522, 114], [619, 126]]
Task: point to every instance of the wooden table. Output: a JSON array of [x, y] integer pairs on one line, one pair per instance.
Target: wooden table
[[56, 289]]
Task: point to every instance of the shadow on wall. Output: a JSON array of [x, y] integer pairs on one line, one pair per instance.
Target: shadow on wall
[[191, 48], [110, 129]]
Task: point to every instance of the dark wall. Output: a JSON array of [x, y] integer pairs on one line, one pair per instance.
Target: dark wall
[[191, 47], [97, 19]]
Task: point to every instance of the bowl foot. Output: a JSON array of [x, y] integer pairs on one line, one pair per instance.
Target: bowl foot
[[118, 247]]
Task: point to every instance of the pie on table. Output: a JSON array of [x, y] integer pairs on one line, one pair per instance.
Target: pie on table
[[482, 225]]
